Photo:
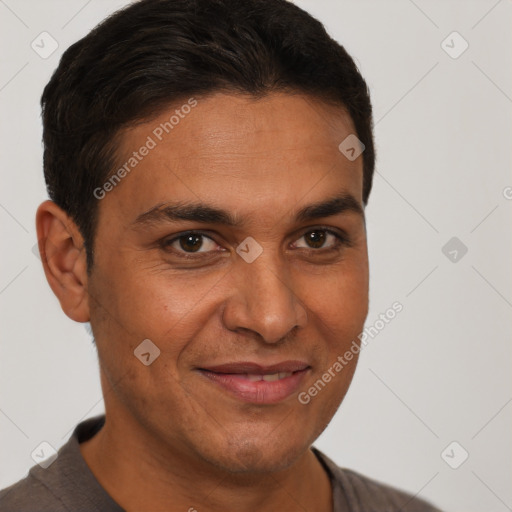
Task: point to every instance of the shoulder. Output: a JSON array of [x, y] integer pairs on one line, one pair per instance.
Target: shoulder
[[62, 485], [366, 494], [374, 495], [28, 493]]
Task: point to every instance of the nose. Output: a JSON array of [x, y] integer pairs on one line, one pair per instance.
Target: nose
[[263, 301]]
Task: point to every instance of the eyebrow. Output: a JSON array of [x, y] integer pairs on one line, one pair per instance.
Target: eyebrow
[[203, 213]]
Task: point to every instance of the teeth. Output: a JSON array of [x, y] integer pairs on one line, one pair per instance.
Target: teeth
[[268, 378]]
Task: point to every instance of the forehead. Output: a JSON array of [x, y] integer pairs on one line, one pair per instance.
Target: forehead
[[238, 150]]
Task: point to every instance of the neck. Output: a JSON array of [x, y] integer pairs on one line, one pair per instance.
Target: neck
[[139, 473]]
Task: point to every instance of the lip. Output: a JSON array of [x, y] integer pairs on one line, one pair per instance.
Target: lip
[[251, 367], [231, 377]]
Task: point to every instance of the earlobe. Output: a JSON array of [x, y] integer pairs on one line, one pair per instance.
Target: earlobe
[[62, 251]]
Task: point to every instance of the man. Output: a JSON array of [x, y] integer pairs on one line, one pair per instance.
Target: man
[[208, 163]]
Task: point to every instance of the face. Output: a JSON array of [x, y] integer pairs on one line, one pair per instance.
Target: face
[[215, 248]]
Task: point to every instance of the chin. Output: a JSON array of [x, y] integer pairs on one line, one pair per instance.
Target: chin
[[250, 457]]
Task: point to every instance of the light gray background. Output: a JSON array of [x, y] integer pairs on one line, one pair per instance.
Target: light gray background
[[440, 371]]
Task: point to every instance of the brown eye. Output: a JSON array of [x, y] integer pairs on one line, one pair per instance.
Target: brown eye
[[315, 239], [191, 242], [321, 240]]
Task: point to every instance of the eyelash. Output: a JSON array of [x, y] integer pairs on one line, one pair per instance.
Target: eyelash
[[340, 240]]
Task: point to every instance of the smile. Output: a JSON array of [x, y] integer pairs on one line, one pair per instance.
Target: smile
[[257, 384]]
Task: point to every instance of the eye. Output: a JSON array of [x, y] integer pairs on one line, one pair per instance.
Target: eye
[[322, 239], [190, 243]]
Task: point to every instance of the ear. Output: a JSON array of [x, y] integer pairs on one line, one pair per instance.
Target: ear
[[62, 251]]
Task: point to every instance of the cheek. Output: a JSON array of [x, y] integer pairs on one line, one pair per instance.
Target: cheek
[[339, 301], [154, 303]]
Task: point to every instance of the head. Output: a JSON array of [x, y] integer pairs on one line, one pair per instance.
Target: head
[[200, 200]]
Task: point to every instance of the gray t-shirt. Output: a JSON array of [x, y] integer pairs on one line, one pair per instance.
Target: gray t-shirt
[[68, 485]]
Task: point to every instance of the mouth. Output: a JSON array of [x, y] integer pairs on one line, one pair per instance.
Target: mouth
[[254, 383]]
